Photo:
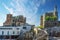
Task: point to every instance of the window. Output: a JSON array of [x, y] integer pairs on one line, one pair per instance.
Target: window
[[2, 32], [13, 32], [17, 28], [8, 32], [24, 27], [13, 24], [13, 20]]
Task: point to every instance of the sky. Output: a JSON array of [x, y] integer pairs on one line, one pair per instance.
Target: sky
[[31, 9]]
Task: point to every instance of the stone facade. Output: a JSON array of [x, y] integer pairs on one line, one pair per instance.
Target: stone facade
[[53, 31], [14, 20], [50, 23]]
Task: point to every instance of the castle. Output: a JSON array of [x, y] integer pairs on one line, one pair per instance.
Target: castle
[[50, 19], [14, 20], [14, 27]]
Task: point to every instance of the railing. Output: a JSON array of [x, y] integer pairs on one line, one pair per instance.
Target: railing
[[7, 39]]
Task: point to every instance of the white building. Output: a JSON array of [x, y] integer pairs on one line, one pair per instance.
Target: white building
[[13, 32]]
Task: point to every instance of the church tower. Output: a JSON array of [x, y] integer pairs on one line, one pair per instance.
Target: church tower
[[55, 12]]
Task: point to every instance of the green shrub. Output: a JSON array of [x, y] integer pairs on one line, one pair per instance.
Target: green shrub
[[47, 18], [40, 27]]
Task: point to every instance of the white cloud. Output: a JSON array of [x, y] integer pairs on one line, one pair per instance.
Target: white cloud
[[9, 9], [2, 18], [28, 8], [43, 1]]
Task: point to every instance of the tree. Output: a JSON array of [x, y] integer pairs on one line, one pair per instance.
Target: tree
[[55, 18], [47, 18], [50, 18], [40, 27]]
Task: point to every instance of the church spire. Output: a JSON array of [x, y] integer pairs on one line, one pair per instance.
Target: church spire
[[55, 11], [55, 8]]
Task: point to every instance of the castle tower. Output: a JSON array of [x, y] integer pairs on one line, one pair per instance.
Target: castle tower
[[9, 17], [42, 20], [55, 12], [8, 20]]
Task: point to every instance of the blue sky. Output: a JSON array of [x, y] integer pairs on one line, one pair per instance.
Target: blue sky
[[31, 9]]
